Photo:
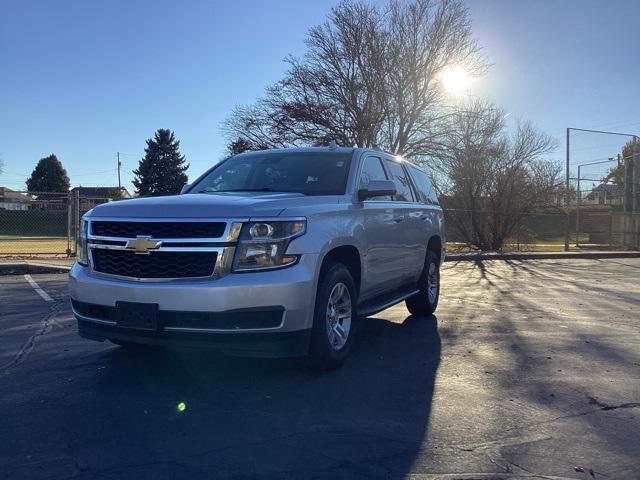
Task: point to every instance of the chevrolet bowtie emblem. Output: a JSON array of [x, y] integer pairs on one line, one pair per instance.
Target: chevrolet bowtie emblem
[[143, 244]]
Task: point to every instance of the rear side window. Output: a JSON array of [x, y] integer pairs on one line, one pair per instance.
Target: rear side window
[[425, 190], [399, 177]]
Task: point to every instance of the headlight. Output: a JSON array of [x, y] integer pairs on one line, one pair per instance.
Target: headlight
[[83, 256], [263, 245]]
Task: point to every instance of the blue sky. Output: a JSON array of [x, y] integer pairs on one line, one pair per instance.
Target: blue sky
[[86, 79]]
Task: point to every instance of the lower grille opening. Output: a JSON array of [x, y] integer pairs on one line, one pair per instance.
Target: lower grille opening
[[101, 312], [249, 318], [154, 264]]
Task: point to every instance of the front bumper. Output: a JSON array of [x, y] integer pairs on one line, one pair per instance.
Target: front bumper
[[290, 289], [265, 345]]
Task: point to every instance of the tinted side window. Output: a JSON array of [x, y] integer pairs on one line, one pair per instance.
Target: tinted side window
[[403, 187], [425, 189], [371, 170]]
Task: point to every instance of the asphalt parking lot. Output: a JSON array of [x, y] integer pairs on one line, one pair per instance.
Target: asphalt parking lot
[[529, 370]]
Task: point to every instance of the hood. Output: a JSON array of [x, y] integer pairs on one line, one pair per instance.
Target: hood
[[201, 205]]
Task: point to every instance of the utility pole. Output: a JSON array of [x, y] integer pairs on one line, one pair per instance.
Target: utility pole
[[119, 185]]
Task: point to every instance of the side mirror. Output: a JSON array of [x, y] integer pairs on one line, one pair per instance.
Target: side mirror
[[184, 188], [377, 188]]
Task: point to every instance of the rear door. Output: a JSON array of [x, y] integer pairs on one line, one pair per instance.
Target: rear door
[[431, 212], [383, 262]]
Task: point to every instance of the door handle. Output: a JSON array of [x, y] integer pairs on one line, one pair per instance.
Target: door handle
[[398, 219]]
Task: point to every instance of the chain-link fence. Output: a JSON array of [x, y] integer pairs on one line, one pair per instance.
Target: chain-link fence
[[603, 194], [597, 227], [45, 224]]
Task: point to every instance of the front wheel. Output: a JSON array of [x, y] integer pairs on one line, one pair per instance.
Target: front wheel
[[425, 301], [333, 320]]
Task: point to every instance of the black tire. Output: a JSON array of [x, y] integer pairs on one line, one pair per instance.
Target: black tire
[[325, 352], [424, 303]]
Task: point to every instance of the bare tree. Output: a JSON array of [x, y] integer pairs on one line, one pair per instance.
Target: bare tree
[[491, 180], [369, 78]]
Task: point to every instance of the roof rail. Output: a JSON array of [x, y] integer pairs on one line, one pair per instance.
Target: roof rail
[[332, 145]]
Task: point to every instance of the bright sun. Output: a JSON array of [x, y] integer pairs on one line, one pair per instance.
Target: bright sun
[[455, 79]]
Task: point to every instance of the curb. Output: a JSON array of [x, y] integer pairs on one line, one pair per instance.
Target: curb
[[476, 257], [22, 268]]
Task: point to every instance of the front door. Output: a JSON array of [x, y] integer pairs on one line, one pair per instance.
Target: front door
[[383, 262], [412, 243]]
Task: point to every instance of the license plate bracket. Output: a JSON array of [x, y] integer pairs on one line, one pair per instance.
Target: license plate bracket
[[141, 316]]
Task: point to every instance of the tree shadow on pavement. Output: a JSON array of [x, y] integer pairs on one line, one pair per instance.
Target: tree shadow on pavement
[[193, 414], [561, 337]]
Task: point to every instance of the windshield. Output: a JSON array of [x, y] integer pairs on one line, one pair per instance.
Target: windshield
[[318, 173]]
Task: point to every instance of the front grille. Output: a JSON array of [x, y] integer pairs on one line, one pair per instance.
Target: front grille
[[155, 264], [158, 229]]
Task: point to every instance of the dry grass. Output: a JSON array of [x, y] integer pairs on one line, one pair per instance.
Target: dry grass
[[16, 246]]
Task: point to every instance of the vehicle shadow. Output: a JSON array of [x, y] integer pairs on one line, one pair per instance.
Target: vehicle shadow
[[189, 414]]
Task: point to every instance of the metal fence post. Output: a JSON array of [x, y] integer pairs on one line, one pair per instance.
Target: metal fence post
[[578, 201], [567, 201], [610, 227], [634, 192], [76, 208], [69, 224]]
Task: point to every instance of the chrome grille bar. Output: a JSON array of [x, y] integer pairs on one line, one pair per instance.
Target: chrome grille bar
[[223, 246]]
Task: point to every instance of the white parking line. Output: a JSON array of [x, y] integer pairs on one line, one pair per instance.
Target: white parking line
[[37, 288]]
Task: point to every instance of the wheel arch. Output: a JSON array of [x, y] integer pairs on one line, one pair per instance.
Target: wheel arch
[[349, 256]]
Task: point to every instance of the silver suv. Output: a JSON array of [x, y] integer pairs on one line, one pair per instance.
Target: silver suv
[[269, 253]]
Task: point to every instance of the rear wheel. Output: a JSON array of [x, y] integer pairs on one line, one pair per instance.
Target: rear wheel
[[334, 316], [425, 301]]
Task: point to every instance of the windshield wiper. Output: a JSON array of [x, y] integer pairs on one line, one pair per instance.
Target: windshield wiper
[[264, 189]]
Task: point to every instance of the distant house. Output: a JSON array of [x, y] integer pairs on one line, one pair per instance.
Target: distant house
[[605, 194], [12, 200], [93, 196]]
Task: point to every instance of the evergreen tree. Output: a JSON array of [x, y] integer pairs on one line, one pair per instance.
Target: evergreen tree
[[161, 171], [48, 176]]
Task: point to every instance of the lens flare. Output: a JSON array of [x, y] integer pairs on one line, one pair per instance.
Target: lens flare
[[455, 79], [182, 407]]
